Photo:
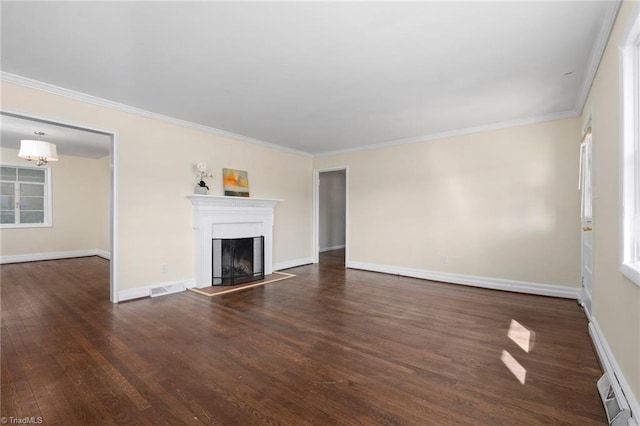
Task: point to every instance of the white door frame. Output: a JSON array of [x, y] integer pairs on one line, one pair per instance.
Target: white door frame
[[586, 221], [113, 155], [316, 212]]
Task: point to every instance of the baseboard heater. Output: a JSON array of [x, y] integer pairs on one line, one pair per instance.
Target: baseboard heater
[[615, 403]]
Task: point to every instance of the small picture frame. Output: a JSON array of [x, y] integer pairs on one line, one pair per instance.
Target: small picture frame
[[236, 182]]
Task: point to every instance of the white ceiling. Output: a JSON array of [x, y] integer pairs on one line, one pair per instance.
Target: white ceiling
[[315, 76]]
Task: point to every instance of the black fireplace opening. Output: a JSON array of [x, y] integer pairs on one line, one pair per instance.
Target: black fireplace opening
[[237, 260]]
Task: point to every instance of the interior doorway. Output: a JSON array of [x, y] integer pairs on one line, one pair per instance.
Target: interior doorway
[[330, 201], [78, 141], [586, 219]]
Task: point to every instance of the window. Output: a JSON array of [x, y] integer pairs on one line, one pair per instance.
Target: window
[[24, 197], [630, 149]]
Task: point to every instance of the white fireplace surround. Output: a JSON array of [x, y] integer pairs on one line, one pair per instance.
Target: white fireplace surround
[[229, 217]]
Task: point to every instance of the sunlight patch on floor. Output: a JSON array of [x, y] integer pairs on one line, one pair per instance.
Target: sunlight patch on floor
[[514, 366], [525, 338], [521, 336]]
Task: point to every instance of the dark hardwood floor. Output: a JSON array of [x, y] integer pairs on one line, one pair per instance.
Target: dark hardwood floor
[[331, 346]]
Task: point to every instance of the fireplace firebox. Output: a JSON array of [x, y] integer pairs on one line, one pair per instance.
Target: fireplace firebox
[[237, 260]]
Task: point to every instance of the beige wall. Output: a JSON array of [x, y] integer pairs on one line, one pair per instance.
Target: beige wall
[[499, 204], [154, 174], [79, 187], [616, 300]]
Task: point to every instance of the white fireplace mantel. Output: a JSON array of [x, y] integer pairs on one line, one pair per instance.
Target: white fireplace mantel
[[229, 217]]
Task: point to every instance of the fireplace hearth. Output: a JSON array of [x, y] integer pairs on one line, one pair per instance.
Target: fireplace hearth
[[237, 260]]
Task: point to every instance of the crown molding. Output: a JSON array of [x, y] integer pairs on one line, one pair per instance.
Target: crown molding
[[46, 87], [27, 82], [460, 132], [600, 44]]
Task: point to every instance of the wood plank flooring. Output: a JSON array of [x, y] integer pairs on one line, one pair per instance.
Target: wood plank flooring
[[330, 346]]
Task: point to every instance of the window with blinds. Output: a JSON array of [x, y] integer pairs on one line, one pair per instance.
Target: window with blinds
[[24, 197]]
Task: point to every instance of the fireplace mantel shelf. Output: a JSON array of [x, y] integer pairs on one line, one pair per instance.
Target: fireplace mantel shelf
[[223, 201]]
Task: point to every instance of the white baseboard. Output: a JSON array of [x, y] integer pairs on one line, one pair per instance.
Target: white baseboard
[[471, 280], [103, 254], [140, 292], [611, 366], [292, 263], [177, 286], [35, 257], [133, 293], [322, 250]]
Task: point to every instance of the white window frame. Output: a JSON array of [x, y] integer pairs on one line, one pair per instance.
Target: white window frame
[[47, 198], [629, 59]]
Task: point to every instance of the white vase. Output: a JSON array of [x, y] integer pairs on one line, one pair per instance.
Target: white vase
[[200, 190]]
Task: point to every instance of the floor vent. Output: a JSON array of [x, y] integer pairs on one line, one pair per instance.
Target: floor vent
[[165, 289], [615, 403]]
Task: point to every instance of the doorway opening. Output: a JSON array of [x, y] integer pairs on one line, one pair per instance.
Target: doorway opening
[[330, 201], [586, 218], [82, 142]]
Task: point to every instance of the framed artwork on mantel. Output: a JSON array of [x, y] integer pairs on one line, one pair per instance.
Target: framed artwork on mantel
[[236, 182]]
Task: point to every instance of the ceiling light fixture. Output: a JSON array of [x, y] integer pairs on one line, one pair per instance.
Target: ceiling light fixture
[[39, 151]]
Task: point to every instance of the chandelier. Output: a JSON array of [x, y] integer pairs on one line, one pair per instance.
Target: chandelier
[[39, 151]]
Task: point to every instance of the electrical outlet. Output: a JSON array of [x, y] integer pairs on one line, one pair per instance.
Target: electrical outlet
[[164, 268], [445, 259]]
